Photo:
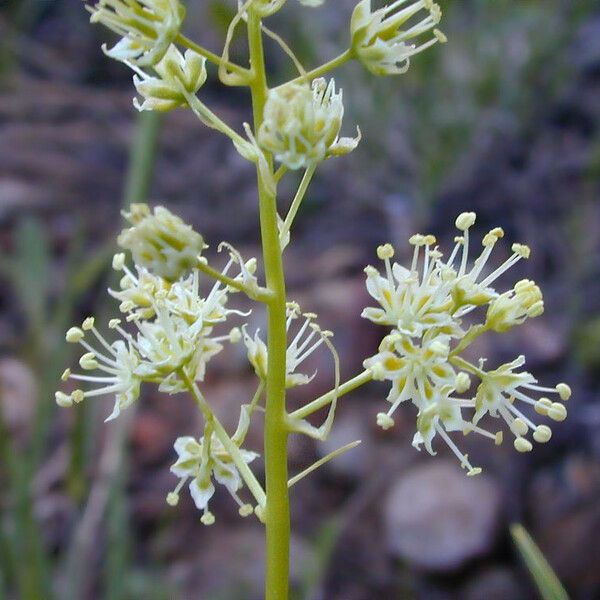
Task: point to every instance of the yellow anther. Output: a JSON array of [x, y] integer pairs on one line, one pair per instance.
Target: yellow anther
[[523, 445], [207, 518], [519, 427], [557, 412], [385, 251], [564, 391], [440, 36], [88, 361], [462, 383], [118, 261], [522, 250], [417, 240], [246, 510], [542, 434], [88, 324], [78, 396], [74, 335], [63, 400], [542, 405], [172, 498], [465, 220], [385, 421], [66, 374]]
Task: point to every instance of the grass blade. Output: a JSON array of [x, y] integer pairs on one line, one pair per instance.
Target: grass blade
[[547, 582]]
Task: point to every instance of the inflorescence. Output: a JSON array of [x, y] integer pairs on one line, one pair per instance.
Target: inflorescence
[[425, 306]]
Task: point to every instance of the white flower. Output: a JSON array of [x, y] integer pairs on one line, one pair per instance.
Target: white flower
[[177, 75], [410, 302], [299, 349], [205, 459], [414, 370], [422, 356], [161, 242], [472, 288], [147, 27], [513, 307], [441, 415], [138, 290], [385, 39], [501, 388], [166, 344], [301, 124], [118, 362]]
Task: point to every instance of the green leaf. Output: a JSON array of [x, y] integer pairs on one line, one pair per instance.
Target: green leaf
[[545, 579]]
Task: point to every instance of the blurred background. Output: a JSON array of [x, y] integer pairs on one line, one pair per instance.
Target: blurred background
[[503, 120]]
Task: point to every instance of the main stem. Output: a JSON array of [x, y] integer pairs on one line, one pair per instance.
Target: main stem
[[277, 514]]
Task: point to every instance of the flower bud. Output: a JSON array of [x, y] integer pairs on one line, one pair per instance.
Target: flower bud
[[161, 242], [301, 124], [178, 75], [147, 27], [384, 39]]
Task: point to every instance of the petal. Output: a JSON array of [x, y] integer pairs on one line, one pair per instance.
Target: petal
[[201, 493]]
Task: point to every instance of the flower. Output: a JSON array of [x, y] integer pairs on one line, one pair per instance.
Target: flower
[[205, 459], [118, 362], [422, 355], [513, 307], [178, 76], [161, 242], [409, 302], [301, 124], [441, 415], [299, 349], [147, 27], [501, 388], [384, 39], [414, 370]]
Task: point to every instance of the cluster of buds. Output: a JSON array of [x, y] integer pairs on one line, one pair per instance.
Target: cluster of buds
[[161, 298], [421, 357], [302, 123], [177, 77], [147, 28], [384, 39]]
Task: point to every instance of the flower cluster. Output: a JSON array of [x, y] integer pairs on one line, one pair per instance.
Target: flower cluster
[[147, 28], [421, 357], [176, 77], [384, 39], [173, 323], [203, 459], [302, 123], [161, 242]]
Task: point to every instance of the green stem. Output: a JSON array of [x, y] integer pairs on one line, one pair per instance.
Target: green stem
[[297, 201], [211, 56], [210, 119], [327, 398], [277, 512], [229, 445], [461, 363], [262, 294], [142, 158], [334, 63]]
